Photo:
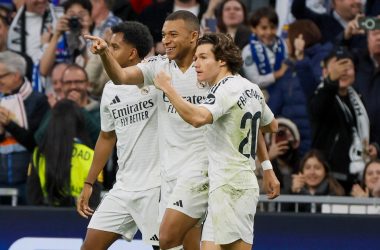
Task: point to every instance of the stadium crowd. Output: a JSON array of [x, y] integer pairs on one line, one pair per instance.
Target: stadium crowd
[[317, 63]]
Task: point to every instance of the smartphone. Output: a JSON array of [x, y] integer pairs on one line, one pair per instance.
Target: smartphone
[[211, 24], [369, 23]]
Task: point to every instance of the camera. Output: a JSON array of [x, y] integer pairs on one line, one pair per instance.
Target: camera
[[74, 23], [369, 23]]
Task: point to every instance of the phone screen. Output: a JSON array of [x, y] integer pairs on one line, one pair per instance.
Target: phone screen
[[211, 24]]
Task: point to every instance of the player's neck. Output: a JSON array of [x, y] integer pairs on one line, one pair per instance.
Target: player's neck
[[222, 74], [184, 63]]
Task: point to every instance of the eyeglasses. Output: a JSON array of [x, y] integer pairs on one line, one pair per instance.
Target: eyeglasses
[[74, 81]]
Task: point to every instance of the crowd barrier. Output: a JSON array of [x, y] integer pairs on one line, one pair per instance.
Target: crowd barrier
[[32, 228]]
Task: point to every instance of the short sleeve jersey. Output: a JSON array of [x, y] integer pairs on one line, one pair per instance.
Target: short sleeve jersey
[[183, 146], [238, 109], [131, 111]]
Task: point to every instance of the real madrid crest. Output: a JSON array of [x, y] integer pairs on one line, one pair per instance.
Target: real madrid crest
[[145, 90], [201, 85]]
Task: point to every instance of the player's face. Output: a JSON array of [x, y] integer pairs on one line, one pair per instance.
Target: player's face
[[177, 39], [372, 175], [265, 31], [207, 68], [120, 50], [314, 172]]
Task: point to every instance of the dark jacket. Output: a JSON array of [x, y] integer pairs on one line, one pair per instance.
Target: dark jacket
[[287, 99], [331, 132], [13, 166], [367, 84]]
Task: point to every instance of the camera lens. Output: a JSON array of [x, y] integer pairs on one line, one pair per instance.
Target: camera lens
[[74, 23], [370, 24]]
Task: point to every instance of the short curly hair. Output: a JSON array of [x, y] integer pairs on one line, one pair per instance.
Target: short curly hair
[[136, 34], [224, 49]]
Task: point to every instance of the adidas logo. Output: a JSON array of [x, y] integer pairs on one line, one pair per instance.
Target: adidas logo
[[178, 203], [115, 100], [155, 238]]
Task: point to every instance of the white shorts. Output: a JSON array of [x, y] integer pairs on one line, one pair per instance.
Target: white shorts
[[230, 215], [124, 212], [186, 195]]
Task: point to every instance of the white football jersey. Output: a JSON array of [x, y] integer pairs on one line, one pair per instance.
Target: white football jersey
[[238, 109], [183, 146], [131, 111]]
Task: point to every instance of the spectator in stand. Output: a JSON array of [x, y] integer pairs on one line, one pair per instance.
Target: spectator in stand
[[332, 24], [56, 93], [265, 53], [339, 119], [367, 82], [4, 28], [31, 21], [62, 161], [371, 177], [26, 34], [231, 18], [103, 19], [74, 86], [314, 178], [307, 52], [283, 152], [102, 16], [21, 111], [66, 43], [155, 14]]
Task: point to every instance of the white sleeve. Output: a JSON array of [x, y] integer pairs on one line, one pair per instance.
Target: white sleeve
[[251, 72], [266, 116], [220, 99], [107, 123], [147, 68]]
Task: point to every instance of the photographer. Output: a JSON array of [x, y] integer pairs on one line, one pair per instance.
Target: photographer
[[283, 152], [67, 43], [367, 81], [340, 121]]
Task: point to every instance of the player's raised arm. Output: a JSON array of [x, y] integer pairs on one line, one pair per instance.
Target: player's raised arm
[[129, 75]]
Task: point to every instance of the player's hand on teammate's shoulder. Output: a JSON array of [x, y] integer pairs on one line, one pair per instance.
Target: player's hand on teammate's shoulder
[[271, 184], [98, 46], [162, 81]]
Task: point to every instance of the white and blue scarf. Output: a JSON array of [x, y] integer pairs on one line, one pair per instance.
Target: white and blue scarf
[[260, 57]]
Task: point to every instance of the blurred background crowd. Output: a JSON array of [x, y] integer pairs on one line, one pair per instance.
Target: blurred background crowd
[[317, 62]]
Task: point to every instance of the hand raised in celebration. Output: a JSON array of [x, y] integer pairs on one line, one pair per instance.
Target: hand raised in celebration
[[99, 46]]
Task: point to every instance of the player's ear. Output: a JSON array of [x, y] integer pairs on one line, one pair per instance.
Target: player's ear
[[222, 63], [194, 36], [133, 54]]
